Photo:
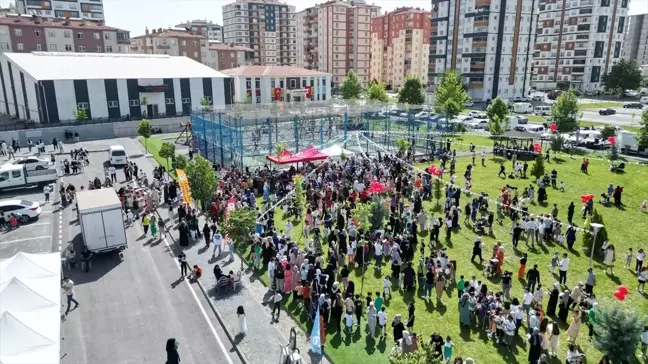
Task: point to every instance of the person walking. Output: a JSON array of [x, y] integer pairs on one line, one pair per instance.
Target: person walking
[[563, 267], [160, 224], [47, 190], [154, 225], [242, 320], [172, 351], [533, 277], [371, 319], [113, 174], [146, 222], [68, 288], [276, 299], [217, 240]]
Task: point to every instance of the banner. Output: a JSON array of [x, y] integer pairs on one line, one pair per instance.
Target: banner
[[315, 339], [309, 92], [277, 94], [183, 183]]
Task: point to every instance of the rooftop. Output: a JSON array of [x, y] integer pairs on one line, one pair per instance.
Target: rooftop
[[228, 47], [98, 66], [277, 71], [36, 21], [170, 33]]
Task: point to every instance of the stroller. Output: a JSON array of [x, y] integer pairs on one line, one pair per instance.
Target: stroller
[[491, 268], [481, 224], [605, 199]]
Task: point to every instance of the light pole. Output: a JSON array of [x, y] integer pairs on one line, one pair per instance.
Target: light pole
[[596, 227]]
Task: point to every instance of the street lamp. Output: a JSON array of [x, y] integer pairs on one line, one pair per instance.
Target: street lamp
[[596, 227]]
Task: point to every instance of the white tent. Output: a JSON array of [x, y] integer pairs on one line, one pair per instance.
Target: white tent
[[336, 150], [30, 313]]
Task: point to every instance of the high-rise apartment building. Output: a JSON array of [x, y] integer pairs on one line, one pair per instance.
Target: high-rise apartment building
[[210, 30], [635, 44], [577, 42], [400, 46], [21, 33], [335, 37], [80, 9], [265, 26], [488, 41]]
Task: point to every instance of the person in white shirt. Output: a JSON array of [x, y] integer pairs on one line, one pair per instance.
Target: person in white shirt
[[217, 240], [509, 330], [531, 232], [387, 287], [382, 321], [276, 299], [483, 158], [68, 288], [378, 247], [526, 303], [113, 174], [563, 267], [289, 227]]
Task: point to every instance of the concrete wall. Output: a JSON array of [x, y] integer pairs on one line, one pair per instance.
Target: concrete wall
[[92, 132]]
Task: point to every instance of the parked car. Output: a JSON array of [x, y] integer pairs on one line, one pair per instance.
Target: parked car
[[607, 112], [519, 128], [633, 105], [474, 113], [33, 163], [469, 104], [538, 98], [477, 124], [631, 93], [25, 210]]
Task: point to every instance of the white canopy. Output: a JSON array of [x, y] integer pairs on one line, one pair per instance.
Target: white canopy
[[30, 314], [336, 150]]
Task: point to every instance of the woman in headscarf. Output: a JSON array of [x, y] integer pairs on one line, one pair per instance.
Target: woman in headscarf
[[172, 351], [406, 343], [465, 306], [609, 259], [336, 310], [398, 328], [574, 328], [535, 347], [440, 285], [563, 307], [553, 300], [500, 257], [371, 319]]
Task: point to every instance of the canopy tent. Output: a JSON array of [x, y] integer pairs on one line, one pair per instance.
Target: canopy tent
[[336, 150], [285, 157], [310, 154], [30, 314]]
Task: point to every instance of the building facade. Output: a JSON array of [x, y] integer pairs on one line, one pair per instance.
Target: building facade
[[20, 33], [225, 56], [172, 42], [635, 45], [265, 26], [490, 42], [335, 37], [50, 87], [400, 46], [79, 9], [212, 31], [266, 84], [577, 42]]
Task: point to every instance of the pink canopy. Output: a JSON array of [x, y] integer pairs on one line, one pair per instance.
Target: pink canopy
[[285, 157], [310, 154], [376, 187]]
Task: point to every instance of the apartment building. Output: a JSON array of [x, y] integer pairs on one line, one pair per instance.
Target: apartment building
[[490, 42], [577, 42], [635, 45], [172, 42], [212, 31], [23, 34], [400, 46], [265, 26], [80, 9], [335, 37], [225, 56]]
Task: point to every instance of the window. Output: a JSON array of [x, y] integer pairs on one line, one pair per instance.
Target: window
[[67, 34], [184, 43], [82, 48], [107, 36], [80, 35], [37, 32], [186, 100], [113, 104], [293, 83], [109, 49], [96, 35], [20, 46], [18, 32], [134, 102], [602, 24], [82, 105], [39, 47], [621, 25], [68, 47], [99, 49], [169, 101], [51, 34], [598, 49]]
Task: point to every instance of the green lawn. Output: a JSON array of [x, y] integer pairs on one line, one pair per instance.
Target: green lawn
[[599, 105], [153, 145], [623, 226]]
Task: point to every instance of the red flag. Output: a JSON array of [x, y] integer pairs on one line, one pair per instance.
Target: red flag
[[553, 127], [586, 198], [537, 148], [619, 295], [612, 140]]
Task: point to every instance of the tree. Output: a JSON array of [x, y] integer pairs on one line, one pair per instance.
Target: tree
[[402, 145], [624, 75], [145, 130], [600, 237], [412, 92], [167, 150], [564, 112], [179, 161], [497, 113], [351, 87], [362, 213], [378, 212], [376, 91], [438, 189], [239, 225], [143, 103], [538, 167], [642, 136], [202, 179], [557, 142], [80, 114], [618, 332], [206, 104], [450, 96], [608, 131], [279, 148], [614, 153], [300, 195], [424, 355]]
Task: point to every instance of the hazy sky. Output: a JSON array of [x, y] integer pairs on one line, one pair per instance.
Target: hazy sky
[[135, 15]]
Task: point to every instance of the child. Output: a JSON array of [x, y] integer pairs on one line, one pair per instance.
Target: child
[[196, 273], [348, 322], [447, 349], [644, 206], [382, 322], [628, 259], [562, 186], [13, 221], [129, 217], [378, 302], [369, 299], [461, 285], [554, 262], [387, 288]]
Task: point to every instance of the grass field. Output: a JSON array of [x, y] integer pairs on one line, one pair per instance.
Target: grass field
[[153, 145], [624, 230]]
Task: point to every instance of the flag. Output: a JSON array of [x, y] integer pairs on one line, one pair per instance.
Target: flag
[[315, 339]]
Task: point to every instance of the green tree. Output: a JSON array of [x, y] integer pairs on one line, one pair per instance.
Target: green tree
[[557, 142], [239, 225], [497, 113], [167, 150], [179, 161], [206, 104], [202, 179], [424, 355], [624, 75], [145, 130], [600, 237], [642, 136], [614, 153], [300, 194], [362, 212], [351, 87], [438, 189], [450, 95], [618, 332], [248, 99], [376, 91], [378, 212], [80, 114], [608, 131], [279, 148], [412, 92], [402, 145], [564, 112], [538, 167]]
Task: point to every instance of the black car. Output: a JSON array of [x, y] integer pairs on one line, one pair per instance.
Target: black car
[[633, 105], [607, 112], [519, 128]]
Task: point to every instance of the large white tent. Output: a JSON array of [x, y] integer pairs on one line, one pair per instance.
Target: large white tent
[[336, 150], [30, 313]]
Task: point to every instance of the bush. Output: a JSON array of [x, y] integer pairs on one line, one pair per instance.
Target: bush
[[602, 234], [618, 332], [179, 162], [538, 168]]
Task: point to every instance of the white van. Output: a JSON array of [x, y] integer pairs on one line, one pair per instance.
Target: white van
[[644, 100], [523, 108], [538, 129], [117, 155], [542, 110]]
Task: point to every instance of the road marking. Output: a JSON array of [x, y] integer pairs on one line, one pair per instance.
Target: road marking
[[25, 239], [200, 306]]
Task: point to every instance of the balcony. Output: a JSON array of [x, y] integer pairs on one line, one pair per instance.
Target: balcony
[[587, 3], [434, 29], [475, 84], [583, 27], [479, 50], [480, 29], [480, 3], [479, 45], [578, 70], [477, 65], [483, 23]]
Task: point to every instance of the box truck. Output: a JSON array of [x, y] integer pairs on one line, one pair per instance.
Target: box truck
[[628, 144], [101, 220]]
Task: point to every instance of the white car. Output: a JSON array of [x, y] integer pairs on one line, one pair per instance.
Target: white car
[[474, 114], [477, 124], [33, 163], [538, 98], [469, 104], [25, 210]]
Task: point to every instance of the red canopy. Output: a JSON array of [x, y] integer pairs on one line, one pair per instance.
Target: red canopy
[[285, 157], [376, 187], [310, 154]]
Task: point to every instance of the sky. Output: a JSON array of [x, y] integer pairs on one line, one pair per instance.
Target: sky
[[135, 15]]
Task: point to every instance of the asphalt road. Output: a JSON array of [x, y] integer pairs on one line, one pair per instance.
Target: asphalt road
[[130, 306], [623, 117]]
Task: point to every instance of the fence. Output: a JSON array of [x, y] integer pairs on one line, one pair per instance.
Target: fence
[[245, 133]]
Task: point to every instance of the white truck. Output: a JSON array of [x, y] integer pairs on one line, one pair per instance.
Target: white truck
[[101, 220], [628, 144], [17, 176]]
